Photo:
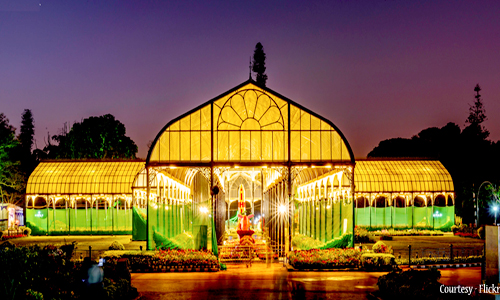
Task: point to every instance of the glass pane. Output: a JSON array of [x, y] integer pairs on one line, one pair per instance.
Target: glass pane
[[295, 145], [245, 145], [186, 146], [295, 118], [195, 120], [267, 145], [205, 118], [305, 145], [222, 144], [315, 145], [234, 145], [315, 123], [195, 145], [255, 151], [326, 145], [174, 146], [305, 120], [205, 145]]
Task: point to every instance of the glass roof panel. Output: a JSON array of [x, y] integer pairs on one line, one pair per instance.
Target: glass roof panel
[[402, 176], [83, 177]]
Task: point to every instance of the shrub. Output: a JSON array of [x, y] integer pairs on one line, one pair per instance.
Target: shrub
[[118, 289], [116, 245], [47, 273], [325, 259], [31, 294], [26, 230], [381, 247], [454, 229], [7, 244], [361, 235], [377, 261], [68, 249], [411, 284], [35, 230]]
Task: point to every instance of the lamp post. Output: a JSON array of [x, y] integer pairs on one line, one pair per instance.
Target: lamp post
[[495, 193], [282, 209], [495, 209]]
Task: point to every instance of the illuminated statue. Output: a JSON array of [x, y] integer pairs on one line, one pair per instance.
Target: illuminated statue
[[243, 219]]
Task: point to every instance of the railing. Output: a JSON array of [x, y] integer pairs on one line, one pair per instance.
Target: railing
[[82, 253], [237, 254], [439, 255]]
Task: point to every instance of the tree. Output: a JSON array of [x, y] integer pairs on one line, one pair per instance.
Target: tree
[[259, 64], [477, 115], [11, 179], [26, 138], [467, 154], [95, 137]]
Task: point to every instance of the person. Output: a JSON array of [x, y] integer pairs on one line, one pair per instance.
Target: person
[[95, 275]]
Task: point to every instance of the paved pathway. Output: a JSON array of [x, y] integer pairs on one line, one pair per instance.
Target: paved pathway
[[260, 282]]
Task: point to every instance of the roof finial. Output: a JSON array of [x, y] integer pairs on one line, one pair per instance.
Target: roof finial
[[250, 69]]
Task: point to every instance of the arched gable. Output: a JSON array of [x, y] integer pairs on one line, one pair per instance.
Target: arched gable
[[249, 124]]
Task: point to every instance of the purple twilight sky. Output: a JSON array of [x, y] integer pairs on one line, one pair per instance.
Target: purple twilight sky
[[376, 69]]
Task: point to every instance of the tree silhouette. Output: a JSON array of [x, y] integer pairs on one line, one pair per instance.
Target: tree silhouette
[[259, 65], [11, 179], [26, 138], [477, 115], [467, 154], [95, 137]]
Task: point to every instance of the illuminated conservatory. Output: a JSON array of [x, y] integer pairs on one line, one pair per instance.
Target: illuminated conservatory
[[249, 162]]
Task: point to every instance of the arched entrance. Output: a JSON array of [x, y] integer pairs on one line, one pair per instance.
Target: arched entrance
[[295, 167]]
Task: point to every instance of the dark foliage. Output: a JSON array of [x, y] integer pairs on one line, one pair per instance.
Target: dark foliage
[[467, 154], [411, 284], [35, 272], [26, 140], [95, 137], [12, 181], [259, 65]]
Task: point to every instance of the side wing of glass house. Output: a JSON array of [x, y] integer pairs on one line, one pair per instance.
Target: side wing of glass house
[[81, 197]]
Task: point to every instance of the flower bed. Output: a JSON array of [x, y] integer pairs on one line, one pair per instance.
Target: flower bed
[[467, 234], [468, 231], [163, 260], [377, 261], [325, 259], [6, 237]]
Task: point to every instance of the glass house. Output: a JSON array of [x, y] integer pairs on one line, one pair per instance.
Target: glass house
[[249, 153]]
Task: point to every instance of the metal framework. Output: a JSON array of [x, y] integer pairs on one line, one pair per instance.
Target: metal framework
[[250, 133], [252, 126]]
